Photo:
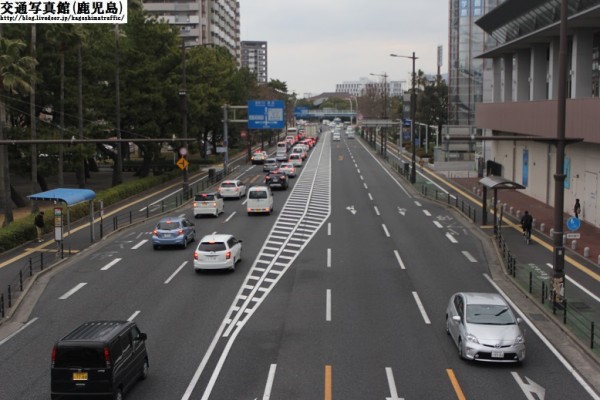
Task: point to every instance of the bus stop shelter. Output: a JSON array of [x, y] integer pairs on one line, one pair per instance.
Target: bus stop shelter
[[495, 183], [68, 197]]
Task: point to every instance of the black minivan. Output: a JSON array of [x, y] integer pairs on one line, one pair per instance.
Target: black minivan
[[102, 359]]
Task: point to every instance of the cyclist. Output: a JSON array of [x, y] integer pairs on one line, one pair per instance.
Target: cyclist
[[526, 224]]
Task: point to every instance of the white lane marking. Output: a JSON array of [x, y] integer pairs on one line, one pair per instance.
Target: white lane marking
[[245, 201], [427, 213], [140, 244], [170, 278], [549, 345], [270, 380], [386, 171], [392, 385], [418, 204], [438, 224], [15, 333], [135, 314], [365, 185], [399, 259], [376, 210], [361, 178], [529, 387], [110, 264], [329, 229], [469, 256], [421, 308], [451, 238], [70, 292], [231, 216], [370, 197], [385, 229], [328, 258], [328, 306], [592, 295]]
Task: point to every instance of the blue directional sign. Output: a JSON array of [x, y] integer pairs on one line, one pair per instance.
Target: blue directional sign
[[300, 112], [265, 114], [573, 224]]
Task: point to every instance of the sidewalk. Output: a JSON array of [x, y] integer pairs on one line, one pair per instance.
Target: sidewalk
[[543, 214]]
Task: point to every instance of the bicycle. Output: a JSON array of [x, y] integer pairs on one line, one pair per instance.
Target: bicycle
[[527, 234]]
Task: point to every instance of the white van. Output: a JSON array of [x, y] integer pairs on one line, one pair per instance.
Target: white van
[[259, 200]]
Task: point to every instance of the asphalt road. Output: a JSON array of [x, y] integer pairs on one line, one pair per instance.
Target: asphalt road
[[341, 294]]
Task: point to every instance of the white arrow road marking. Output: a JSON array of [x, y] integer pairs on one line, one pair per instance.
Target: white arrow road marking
[[427, 213], [140, 244], [70, 292], [421, 308], [469, 256], [399, 259], [270, 380], [402, 211], [351, 209], [392, 385], [385, 229], [110, 264], [451, 238], [530, 388], [436, 223]]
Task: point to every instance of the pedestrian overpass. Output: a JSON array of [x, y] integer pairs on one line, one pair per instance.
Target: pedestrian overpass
[[325, 113]]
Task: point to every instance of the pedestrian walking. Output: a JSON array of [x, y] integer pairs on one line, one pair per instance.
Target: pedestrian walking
[[39, 225], [526, 224], [577, 208]]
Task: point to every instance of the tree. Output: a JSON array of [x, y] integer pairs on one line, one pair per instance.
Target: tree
[[432, 106], [14, 72]]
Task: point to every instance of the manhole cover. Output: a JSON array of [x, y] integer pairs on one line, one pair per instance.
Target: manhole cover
[[538, 317]]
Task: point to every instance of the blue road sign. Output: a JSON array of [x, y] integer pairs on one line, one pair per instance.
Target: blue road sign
[[573, 224], [265, 114], [300, 112]]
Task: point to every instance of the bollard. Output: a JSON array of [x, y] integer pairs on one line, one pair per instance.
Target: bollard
[[504, 205], [518, 215], [542, 227], [551, 231], [533, 223], [573, 244], [586, 251], [511, 210], [474, 189]]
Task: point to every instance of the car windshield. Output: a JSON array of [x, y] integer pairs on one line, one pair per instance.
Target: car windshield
[[167, 225], [489, 314], [211, 246], [256, 194], [204, 197]]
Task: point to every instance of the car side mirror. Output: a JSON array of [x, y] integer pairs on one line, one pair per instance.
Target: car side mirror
[[240, 240], [142, 336], [457, 318], [519, 320]]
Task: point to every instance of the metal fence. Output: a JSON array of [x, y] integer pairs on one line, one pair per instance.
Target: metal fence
[[35, 263]]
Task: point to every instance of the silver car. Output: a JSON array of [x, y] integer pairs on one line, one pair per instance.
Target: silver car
[[217, 251], [484, 328]]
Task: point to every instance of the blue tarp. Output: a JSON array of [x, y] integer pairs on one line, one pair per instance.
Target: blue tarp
[[68, 196]]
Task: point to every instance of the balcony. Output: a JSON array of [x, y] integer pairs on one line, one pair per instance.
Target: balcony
[[538, 118]]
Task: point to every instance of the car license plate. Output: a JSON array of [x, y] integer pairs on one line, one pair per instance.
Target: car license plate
[[497, 354], [80, 376], [204, 203], [167, 235]]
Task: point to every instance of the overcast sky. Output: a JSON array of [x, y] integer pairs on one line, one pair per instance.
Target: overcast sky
[[315, 44]]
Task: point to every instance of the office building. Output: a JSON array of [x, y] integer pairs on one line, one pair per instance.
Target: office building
[[359, 88], [254, 57], [202, 22], [523, 103]]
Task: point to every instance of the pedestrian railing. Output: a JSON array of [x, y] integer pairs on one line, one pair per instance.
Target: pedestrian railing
[[33, 264]]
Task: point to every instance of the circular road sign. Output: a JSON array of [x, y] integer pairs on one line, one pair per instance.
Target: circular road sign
[[183, 151], [573, 223]]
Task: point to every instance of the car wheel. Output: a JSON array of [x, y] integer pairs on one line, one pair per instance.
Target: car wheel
[[447, 325], [155, 247], [185, 242], [460, 349], [144, 373], [118, 395]]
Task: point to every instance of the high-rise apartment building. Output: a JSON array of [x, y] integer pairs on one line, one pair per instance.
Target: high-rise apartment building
[[202, 22], [254, 57]]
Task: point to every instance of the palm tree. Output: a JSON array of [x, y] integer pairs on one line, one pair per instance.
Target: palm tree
[[14, 72]]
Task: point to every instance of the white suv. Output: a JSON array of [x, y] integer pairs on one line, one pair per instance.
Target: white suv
[[217, 251], [208, 203]]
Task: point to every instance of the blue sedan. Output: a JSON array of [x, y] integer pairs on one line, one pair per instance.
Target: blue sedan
[[173, 231]]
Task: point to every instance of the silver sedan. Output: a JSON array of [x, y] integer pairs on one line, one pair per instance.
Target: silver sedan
[[484, 328]]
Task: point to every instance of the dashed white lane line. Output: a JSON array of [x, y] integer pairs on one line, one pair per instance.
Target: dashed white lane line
[[469, 256], [328, 306], [72, 291], [376, 210], [365, 185], [231, 216], [385, 229], [391, 384], [421, 308], [328, 258], [140, 244], [427, 213], [438, 224], [110, 264], [176, 272], [329, 229], [135, 314], [399, 259], [270, 380], [451, 238], [370, 197], [361, 178], [418, 204]]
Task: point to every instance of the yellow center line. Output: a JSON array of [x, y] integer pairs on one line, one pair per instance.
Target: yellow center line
[[517, 227], [328, 382], [459, 393]]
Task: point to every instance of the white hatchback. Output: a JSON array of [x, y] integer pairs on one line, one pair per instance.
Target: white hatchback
[[232, 188], [218, 251], [208, 203], [296, 160]]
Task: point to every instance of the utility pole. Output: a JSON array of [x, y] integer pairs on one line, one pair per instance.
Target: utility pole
[[183, 96]]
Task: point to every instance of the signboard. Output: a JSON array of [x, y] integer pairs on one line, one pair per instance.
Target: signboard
[[300, 112], [265, 114], [58, 236], [183, 151], [221, 149], [573, 223], [573, 235], [182, 163]]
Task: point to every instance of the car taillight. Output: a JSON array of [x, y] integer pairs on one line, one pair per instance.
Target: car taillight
[[180, 232], [214, 204], [53, 355], [195, 255], [237, 189], [194, 204], [228, 255], [155, 232], [107, 356]]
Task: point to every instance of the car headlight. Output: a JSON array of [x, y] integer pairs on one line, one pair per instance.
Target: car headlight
[[519, 339], [471, 338]]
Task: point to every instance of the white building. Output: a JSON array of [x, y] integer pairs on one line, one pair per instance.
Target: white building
[[357, 88], [254, 57]]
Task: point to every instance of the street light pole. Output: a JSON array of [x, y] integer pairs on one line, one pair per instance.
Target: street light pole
[[183, 96], [413, 106]]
